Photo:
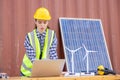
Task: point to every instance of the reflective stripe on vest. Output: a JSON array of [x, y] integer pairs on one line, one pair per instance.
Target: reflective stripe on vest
[[27, 64]]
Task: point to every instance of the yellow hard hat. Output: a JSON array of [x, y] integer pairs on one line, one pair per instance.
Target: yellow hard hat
[[100, 70], [42, 13]]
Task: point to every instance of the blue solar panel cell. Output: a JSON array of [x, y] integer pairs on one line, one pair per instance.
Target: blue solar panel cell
[[84, 44]]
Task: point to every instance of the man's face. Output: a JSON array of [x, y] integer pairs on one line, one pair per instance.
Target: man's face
[[41, 25]]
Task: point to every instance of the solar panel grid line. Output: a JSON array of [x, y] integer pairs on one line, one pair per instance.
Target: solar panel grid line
[[68, 69], [72, 41]]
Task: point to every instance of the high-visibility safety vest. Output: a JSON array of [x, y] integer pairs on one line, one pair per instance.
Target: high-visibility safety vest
[[27, 64]]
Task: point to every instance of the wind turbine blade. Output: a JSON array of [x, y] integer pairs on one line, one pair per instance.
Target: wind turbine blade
[[85, 56], [77, 49], [84, 47], [68, 49]]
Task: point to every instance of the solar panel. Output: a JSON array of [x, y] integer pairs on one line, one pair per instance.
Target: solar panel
[[84, 44]]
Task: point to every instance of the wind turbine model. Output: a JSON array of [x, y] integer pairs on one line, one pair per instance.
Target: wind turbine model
[[87, 57], [72, 59]]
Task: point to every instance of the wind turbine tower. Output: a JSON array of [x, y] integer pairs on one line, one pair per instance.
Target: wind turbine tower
[[72, 59], [87, 57]]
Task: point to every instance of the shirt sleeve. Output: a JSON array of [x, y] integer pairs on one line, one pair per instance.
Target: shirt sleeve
[[29, 49], [52, 50]]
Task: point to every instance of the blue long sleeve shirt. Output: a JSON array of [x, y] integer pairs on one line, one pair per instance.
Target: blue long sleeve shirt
[[32, 53]]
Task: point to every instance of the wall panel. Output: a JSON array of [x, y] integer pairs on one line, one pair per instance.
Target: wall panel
[[16, 19]]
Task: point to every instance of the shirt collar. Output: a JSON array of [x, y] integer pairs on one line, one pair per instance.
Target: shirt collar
[[38, 34]]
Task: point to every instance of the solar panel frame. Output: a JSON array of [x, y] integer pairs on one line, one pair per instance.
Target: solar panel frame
[[65, 52]]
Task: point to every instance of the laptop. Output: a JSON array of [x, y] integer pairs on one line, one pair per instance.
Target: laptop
[[47, 68]]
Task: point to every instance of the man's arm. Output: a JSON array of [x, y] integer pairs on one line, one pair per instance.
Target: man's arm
[[52, 50], [29, 49]]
